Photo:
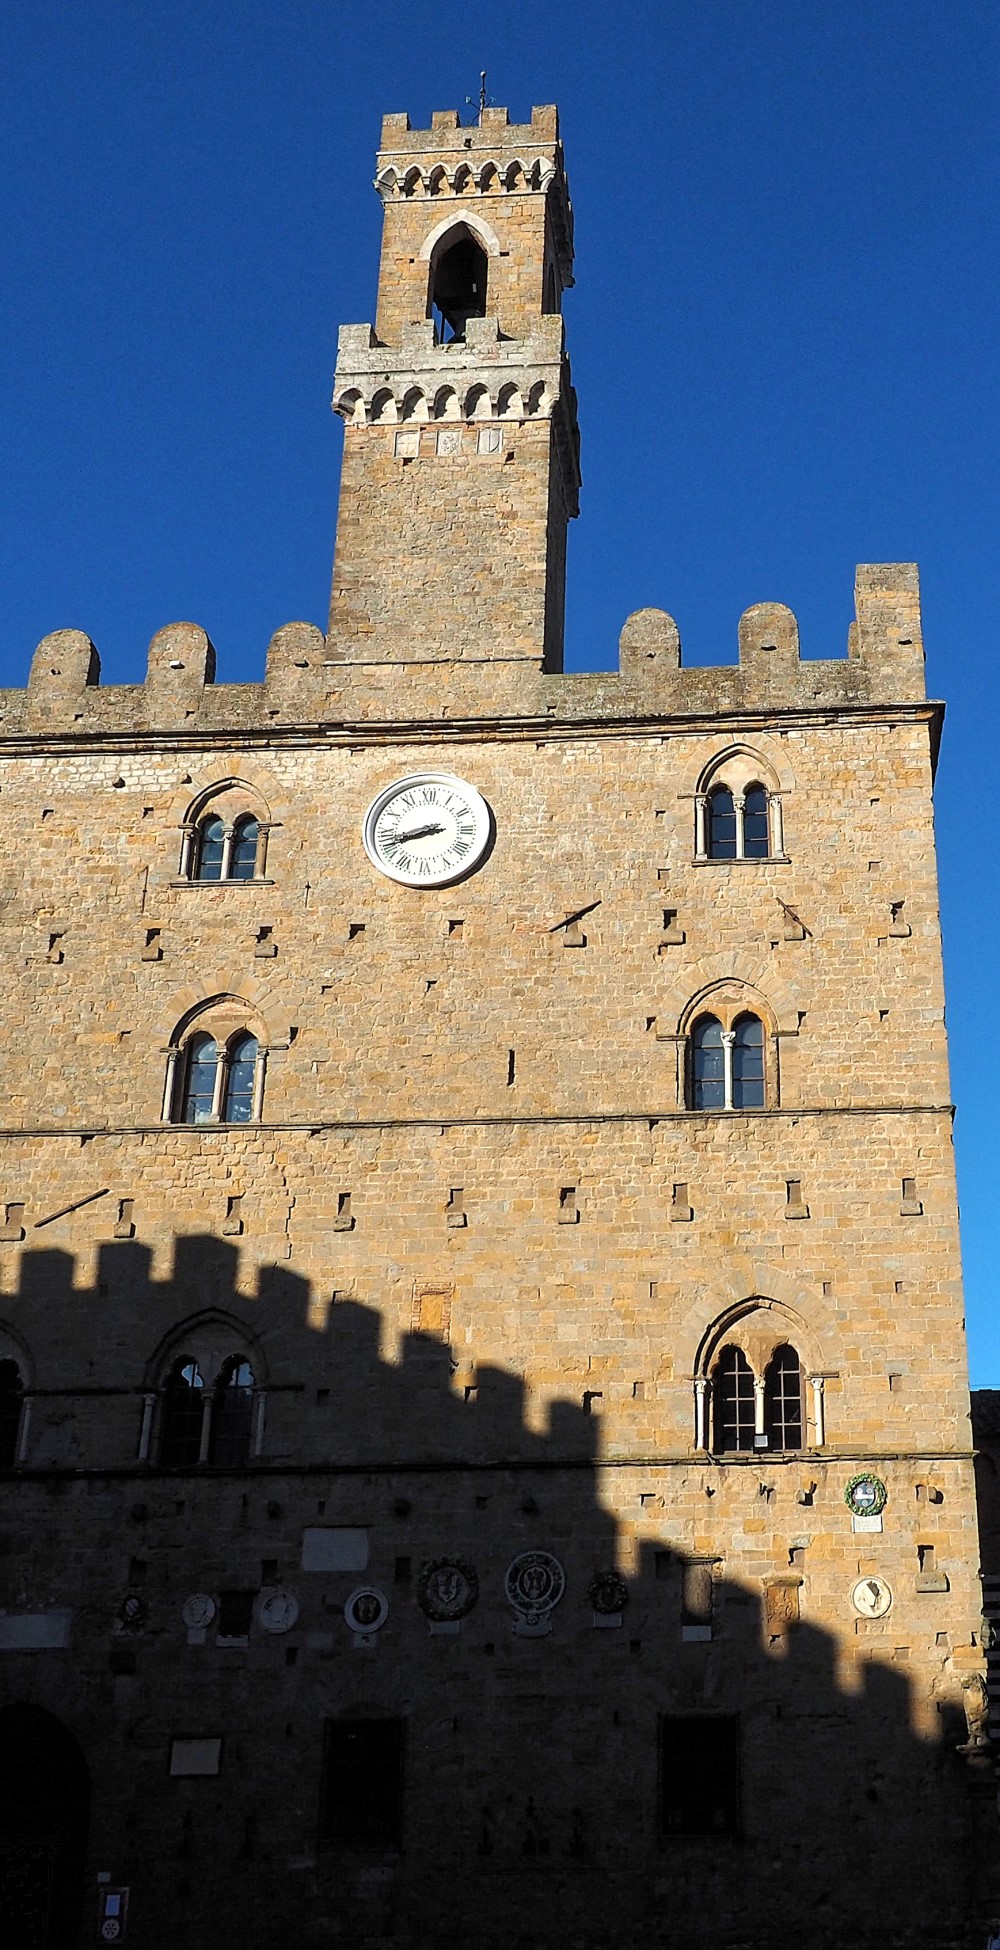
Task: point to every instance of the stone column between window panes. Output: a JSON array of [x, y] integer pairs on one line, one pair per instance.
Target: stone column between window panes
[[700, 1417], [739, 801], [146, 1428], [819, 1414]]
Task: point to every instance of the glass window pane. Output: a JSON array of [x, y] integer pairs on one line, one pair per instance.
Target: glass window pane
[[748, 1064], [237, 1106], [180, 1439], [756, 841], [732, 1401], [210, 841], [200, 1064], [244, 855], [721, 825], [232, 1413], [708, 1069], [783, 1399]]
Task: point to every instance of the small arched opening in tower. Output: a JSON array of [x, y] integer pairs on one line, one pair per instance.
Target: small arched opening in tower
[[457, 285]]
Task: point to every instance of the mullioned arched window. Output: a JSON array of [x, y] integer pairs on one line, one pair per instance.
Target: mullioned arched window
[[206, 1400], [201, 1423], [216, 1065], [750, 1380], [218, 1081], [738, 809], [224, 835], [727, 1063]]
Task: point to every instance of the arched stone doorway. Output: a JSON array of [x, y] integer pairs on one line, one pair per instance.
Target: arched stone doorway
[[44, 1813]]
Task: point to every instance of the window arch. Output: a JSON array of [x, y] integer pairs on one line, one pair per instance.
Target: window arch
[[750, 1373], [727, 1062], [220, 1424], [738, 809], [456, 292], [750, 1412], [216, 1065], [224, 834]]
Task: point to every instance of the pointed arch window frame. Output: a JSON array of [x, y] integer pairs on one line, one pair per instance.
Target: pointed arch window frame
[[155, 1430], [728, 1019], [230, 839], [179, 1055]]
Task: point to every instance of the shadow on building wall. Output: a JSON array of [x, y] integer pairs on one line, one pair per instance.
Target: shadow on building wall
[[678, 1760]]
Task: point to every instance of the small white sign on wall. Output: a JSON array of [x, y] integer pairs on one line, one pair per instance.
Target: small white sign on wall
[[329, 1548]]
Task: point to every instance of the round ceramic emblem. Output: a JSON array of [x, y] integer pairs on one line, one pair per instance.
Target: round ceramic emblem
[[608, 1593], [534, 1584], [871, 1597], [198, 1611], [866, 1495], [428, 830], [131, 1614], [277, 1611], [366, 1609], [447, 1589]]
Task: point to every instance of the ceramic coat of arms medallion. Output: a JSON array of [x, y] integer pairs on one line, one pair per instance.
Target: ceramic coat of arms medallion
[[447, 1590], [534, 1584]]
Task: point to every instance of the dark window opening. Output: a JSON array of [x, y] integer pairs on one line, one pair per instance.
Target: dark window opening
[[699, 1775], [733, 1398], [232, 1414], [457, 288], [235, 1614], [243, 859], [748, 1064], [201, 1062], [756, 839], [183, 1410], [363, 1782], [241, 1072], [783, 1399], [211, 842], [708, 1069], [11, 1399], [721, 824]]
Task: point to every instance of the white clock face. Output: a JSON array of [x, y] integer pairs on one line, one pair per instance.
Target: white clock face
[[428, 830]]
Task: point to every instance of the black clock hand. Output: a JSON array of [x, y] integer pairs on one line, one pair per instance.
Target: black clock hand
[[418, 833]]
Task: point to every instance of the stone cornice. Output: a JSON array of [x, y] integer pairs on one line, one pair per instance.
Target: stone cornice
[[326, 734]]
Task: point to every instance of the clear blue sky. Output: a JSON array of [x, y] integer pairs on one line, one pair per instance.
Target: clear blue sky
[[784, 338]]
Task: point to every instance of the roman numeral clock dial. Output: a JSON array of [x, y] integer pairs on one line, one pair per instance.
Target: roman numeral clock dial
[[428, 830]]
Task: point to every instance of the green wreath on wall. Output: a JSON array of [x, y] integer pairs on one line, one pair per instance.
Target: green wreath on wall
[[866, 1495]]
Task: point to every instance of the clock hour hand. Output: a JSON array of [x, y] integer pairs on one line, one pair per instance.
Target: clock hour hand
[[418, 833]]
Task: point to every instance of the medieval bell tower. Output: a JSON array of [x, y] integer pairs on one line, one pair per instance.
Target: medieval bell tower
[[461, 448]]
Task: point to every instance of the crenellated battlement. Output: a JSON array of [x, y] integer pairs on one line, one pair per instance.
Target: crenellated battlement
[[311, 678], [493, 129]]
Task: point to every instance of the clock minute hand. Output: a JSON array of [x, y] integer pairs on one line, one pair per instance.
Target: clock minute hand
[[418, 833]]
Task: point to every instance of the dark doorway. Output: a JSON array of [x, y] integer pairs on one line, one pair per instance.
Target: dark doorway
[[44, 1813], [457, 286]]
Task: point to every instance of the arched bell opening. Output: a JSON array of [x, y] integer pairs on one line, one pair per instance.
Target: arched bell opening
[[457, 288]]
